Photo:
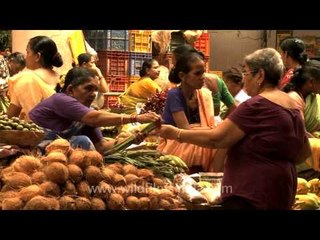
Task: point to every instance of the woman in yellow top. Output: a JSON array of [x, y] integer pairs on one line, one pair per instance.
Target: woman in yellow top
[[145, 87], [30, 87]]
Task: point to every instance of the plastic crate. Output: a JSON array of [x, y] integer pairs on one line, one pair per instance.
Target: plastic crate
[[112, 40], [110, 101], [140, 41], [117, 83], [136, 61], [113, 63], [203, 44]]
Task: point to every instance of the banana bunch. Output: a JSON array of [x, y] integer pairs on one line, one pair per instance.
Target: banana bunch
[[4, 104], [177, 163], [308, 201]]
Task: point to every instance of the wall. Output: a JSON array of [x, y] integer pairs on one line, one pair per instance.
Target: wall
[[20, 40], [228, 47]]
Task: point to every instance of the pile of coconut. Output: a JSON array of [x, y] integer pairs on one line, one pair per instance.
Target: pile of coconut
[[75, 179]]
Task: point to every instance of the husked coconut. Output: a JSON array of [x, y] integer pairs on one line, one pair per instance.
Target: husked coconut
[[57, 173], [83, 204], [84, 189], [17, 180], [50, 189], [67, 203], [38, 177], [54, 203], [69, 189], [165, 193], [54, 157], [14, 203], [130, 169], [75, 173], [108, 174], [153, 191], [97, 204], [78, 157], [145, 174], [59, 144], [93, 175], [6, 171], [29, 192], [136, 190], [41, 203], [8, 194], [6, 188], [103, 190], [117, 167], [122, 191], [131, 178], [154, 202], [144, 203], [115, 202], [26, 164], [133, 203], [158, 182], [119, 180], [164, 204], [95, 158]]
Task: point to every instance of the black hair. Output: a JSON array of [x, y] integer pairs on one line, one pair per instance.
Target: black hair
[[147, 64], [182, 49], [310, 69], [84, 58], [234, 74], [18, 57], [295, 48], [75, 77], [48, 50], [183, 65]]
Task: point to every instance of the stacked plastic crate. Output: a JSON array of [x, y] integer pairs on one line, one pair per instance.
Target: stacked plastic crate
[[203, 45], [140, 50]]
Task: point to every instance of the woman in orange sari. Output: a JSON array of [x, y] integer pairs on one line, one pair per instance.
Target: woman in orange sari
[[189, 106]]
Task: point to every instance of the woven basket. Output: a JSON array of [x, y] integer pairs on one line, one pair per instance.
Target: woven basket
[[21, 138]]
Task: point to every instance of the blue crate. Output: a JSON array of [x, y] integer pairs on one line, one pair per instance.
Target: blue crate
[[136, 60]]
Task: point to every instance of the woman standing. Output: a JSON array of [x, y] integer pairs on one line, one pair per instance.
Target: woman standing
[[28, 88]]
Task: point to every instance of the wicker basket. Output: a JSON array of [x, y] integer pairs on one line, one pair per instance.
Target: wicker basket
[[21, 138]]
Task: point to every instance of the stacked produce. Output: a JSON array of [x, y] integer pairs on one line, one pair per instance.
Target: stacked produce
[[155, 103], [16, 123], [164, 165], [74, 179], [308, 194]]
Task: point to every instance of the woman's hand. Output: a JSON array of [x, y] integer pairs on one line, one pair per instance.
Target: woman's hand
[[148, 117], [169, 132]]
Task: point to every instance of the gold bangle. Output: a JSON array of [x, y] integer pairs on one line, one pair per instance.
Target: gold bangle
[[121, 121], [179, 135]]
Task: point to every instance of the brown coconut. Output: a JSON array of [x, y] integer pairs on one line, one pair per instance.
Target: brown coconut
[[154, 202], [83, 204], [145, 174], [78, 157], [133, 203], [38, 177], [131, 178], [93, 175], [144, 203], [119, 180], [61, 145], [117, 167], [122, 191], [165, 193], [57, 173], [84, 189], [6, 188], [50, 189], [29, 192], [14, 203], [97, 204], [95, 158], [54, 157], [108, 174], [69, 188], [67, 203], [103, 190], [41, 203], [130, 169], [17, 180], [6, 171], [153, 191], [115, 202], [75, 173], [137, 190], [158, 182], [27, 164], [165, 204]]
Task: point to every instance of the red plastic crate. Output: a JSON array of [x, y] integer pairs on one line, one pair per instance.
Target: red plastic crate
[[117, 83], [203, 44], [113, 63], [110, 101], [140, 41]]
